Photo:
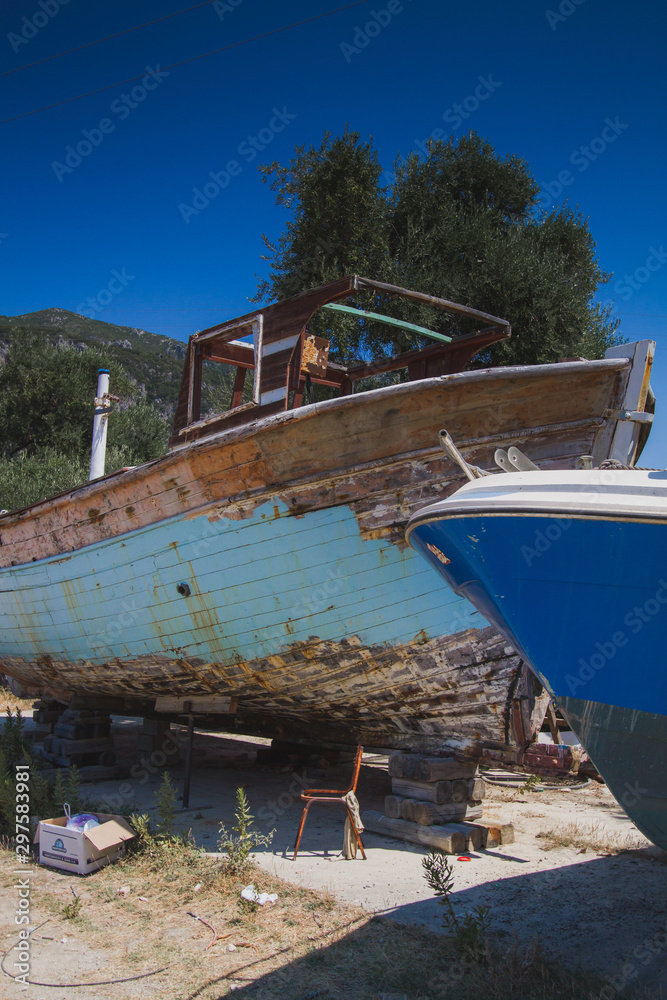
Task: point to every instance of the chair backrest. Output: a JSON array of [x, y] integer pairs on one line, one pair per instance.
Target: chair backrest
[[357, 766]]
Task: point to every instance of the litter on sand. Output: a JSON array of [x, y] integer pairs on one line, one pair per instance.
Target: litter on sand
[[251, 894]]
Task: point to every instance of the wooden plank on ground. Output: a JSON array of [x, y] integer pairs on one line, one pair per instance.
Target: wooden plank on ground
[[476, 837], [499, 832], [430, 813], [449, 840]]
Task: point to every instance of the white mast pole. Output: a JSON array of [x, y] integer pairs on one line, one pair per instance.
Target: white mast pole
[[100, 421]]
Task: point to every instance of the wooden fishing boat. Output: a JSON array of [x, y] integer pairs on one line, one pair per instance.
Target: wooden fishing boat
[[263, 557]]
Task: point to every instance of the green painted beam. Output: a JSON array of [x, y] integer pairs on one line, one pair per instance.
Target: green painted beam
[[389, 320]]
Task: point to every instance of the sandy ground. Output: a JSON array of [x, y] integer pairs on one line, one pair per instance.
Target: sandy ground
[[594, 909]]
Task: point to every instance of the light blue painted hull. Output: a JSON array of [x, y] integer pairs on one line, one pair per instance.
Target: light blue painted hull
[[295, 616], [255, 585]]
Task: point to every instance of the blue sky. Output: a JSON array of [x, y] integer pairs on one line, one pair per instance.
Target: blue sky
[[577, 88]]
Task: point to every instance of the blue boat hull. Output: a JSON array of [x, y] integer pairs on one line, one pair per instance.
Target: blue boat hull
[[593, 628]]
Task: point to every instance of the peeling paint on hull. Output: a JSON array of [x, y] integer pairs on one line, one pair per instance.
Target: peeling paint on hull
[[424, 695], [269, 563]]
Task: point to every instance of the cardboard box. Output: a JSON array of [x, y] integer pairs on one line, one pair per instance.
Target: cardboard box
[[82, 853]]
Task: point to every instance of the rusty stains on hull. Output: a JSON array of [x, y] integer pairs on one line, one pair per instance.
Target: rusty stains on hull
[[445, 691]]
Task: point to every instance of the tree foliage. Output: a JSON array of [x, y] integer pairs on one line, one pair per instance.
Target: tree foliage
[[338, 226], [461, 223], [46, 395], [46, 419]]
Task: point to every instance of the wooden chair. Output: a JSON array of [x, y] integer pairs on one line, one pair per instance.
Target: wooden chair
[[310, 795]]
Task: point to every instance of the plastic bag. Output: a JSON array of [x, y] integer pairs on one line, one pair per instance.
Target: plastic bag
[[251, 894], [81, 822]]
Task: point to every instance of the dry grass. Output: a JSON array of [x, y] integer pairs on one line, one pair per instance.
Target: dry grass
[[9, 701], [593, 837], [307, 945]]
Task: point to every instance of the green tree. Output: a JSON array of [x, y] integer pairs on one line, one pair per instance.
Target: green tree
[[46, 395], [338, 227], [46, 420], [461, 223], [140, 431]]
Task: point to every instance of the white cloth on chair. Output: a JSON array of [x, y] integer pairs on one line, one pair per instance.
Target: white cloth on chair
[[350, 844]]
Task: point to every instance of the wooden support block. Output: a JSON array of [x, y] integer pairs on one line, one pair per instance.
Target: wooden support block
[[475, 836], [42, 715], [446, 838], [425, 791], [430, 813], [96, 745], [85, 729], [392, 806], [473, 812], [459, 790], [499, 832], [199, 705], [476, 789], [418, 768], [155, 727], [149, 744]]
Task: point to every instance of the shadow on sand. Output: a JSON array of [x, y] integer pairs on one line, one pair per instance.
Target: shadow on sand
[[600, 932]]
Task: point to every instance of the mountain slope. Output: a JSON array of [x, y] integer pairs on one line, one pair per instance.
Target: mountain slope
[[152, 361]]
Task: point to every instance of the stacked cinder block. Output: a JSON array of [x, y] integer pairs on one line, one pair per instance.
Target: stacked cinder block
[[437, 801]]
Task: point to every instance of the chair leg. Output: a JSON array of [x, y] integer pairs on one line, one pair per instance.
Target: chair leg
[[300, 830], [356, 833]]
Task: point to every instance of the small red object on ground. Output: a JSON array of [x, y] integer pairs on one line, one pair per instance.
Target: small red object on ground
[[464, 859]]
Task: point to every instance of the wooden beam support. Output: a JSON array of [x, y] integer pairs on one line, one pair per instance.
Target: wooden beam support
[[239, 382], [242, 355]]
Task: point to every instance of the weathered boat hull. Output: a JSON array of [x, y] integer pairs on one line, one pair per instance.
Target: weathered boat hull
[[580, 589], [268, 562]]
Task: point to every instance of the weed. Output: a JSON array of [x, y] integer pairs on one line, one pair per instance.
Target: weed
[[141, 824], [470, 931], [70, 911], [12, 741], [73, 794], [531, 784], [46, 799], [239, 847], [249, 905], [165, 802]]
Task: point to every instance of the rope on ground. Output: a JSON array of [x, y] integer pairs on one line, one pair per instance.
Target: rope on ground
[[97, 982], [518, 779]]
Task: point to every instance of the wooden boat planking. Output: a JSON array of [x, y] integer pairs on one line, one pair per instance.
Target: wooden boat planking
[[238, 469], [341, 475]]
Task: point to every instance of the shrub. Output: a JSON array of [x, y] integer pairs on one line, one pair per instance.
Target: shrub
[[239, 847]]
